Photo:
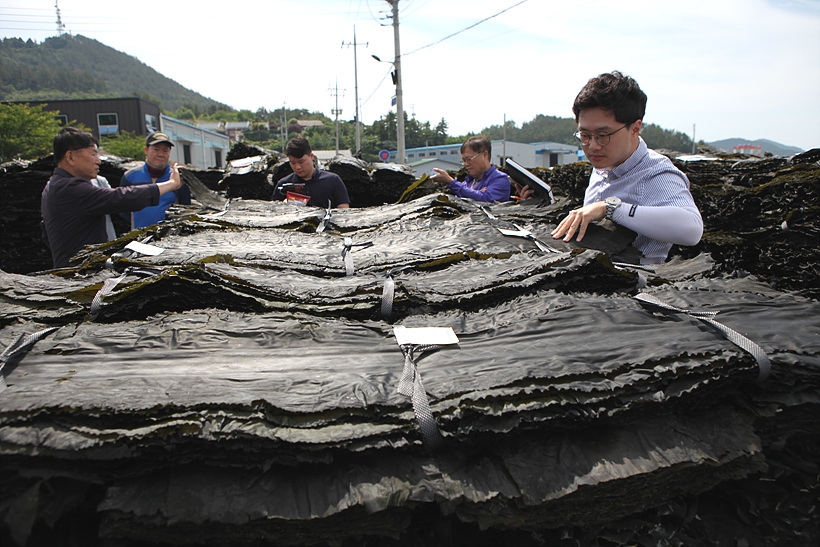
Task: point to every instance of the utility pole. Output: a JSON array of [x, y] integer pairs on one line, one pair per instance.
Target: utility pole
[[356, 90], [504, 146], [284, 131], [336, 111], [694, 145], [60, 25], [399, 99]]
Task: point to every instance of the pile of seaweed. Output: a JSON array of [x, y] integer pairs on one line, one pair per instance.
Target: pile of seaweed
[[245, 385]]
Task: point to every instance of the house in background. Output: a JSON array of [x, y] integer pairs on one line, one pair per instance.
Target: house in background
[[194, 145], [107, 116], [234, 130]]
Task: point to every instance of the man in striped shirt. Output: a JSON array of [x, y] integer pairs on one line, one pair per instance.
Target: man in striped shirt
[[630, 184]]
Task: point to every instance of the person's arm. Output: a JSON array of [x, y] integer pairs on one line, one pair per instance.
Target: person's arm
[[488, 193], [173, 184], [668, 223]]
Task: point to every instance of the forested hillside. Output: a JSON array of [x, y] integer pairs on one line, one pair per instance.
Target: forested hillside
[[76, 67]]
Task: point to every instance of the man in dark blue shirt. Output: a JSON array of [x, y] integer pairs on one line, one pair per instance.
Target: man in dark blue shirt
[[322, 187]]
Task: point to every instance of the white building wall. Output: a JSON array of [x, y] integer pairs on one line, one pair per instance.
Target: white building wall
[[527, 155], [206, 148]]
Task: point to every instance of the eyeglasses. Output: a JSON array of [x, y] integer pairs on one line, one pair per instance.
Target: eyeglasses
[[601, 138], [468, 160]]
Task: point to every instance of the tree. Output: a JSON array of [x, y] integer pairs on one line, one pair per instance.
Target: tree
[[28, 131], [125, 145], [657, 137]]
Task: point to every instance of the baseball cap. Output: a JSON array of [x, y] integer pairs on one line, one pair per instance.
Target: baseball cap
[[158, 137]]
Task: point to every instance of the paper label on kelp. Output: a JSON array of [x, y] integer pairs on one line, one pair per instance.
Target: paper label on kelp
[[144, 248], [439, 336]]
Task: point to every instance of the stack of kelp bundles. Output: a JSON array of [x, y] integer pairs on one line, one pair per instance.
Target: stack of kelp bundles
[[249, 177], [245, 386], [761, 216], [356, 176]]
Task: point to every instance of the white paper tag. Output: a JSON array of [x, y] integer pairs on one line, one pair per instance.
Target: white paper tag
[[439, 336], [144, 248]]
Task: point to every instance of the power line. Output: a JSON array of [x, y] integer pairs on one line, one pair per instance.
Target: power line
[[466, 29]]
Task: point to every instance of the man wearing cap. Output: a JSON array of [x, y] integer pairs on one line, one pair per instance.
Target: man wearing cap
[[155, 169], [74, 208]]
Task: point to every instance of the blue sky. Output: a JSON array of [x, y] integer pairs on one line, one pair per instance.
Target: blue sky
[[727, 68]]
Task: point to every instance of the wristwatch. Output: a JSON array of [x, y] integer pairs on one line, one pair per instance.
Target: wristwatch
[[612, 203]]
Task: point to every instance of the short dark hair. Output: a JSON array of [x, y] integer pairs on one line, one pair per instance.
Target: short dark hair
[[478, 144], [297, 147], [71, 138], [614, 92]]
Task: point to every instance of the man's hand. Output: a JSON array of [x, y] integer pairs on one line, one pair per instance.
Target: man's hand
[[175, 183], [441, 176], [578, 220], [524, 192]]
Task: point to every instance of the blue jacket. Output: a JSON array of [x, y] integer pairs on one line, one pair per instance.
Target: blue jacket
[[152, 215]]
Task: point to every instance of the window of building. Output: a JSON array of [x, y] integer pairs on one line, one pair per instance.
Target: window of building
[[62, 119], [421, 154], [411, 155], [432, 153], [454, 151], [218, 158], [186, 154], [151, 123], [108, 124]]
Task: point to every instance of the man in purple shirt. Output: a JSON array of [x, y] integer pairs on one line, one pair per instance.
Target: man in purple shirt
[[74, 209], [484, 182], [630, 184]]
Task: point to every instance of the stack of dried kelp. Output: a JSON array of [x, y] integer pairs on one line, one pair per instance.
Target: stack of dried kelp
[[762, 217], [245, 385]]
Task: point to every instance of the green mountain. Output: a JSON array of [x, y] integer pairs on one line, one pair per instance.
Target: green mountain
[[76, 67]]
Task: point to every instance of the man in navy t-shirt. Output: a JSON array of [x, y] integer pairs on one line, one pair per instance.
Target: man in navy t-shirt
[[322, 187]]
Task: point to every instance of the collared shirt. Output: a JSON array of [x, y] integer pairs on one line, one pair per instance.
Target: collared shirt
[[656, 202], [74, 211], [494, 185]]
